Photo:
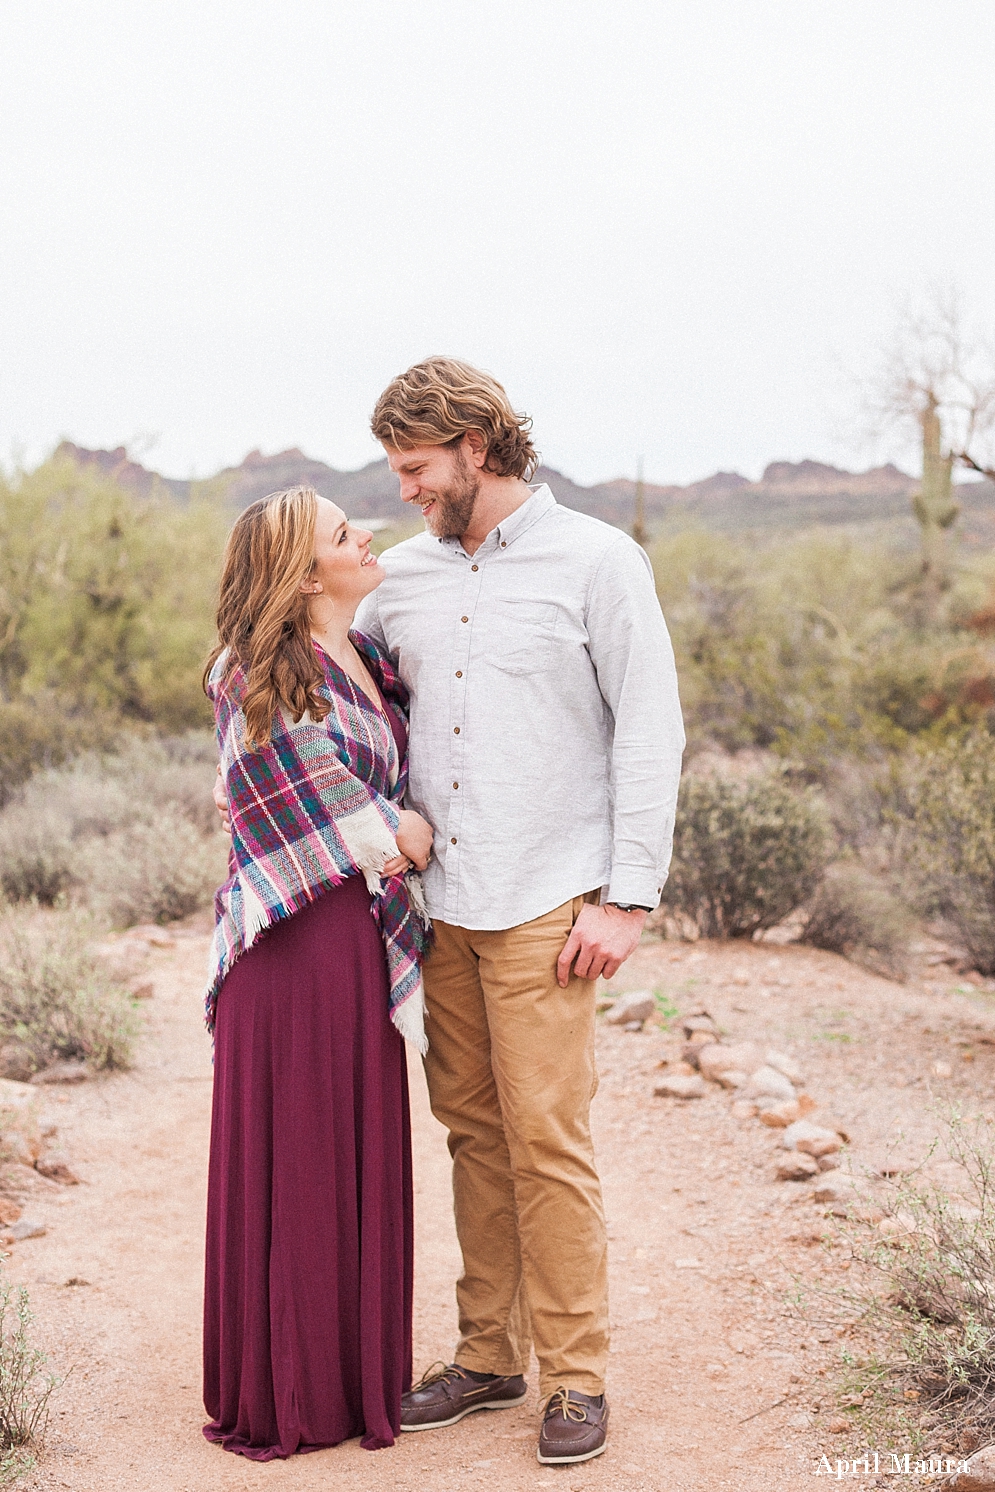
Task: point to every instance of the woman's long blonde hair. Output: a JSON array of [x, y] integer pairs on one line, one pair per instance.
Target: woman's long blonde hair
[[263, 617]]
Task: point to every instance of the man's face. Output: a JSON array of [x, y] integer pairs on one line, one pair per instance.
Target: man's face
[[438, 480]]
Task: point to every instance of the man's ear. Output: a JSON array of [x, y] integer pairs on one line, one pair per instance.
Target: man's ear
[[475, 448]]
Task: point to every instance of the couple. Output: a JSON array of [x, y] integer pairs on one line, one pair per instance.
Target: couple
[[522, 647]]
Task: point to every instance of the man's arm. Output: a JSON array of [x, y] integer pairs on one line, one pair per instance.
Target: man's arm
[[634, 661]]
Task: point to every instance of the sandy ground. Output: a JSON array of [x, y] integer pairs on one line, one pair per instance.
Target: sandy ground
[[704, 1242]]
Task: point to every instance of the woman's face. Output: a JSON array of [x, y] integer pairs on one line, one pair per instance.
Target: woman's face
[[344, 569]]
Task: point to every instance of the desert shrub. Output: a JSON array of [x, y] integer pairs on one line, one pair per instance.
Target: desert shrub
[[26, 1385], [746, 853], [56, 999], [151, 872], [946, 839], [806, 643], [855, 914], [135, 831], [925, 1286]]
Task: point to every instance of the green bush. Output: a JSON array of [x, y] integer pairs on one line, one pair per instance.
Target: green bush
[[807, 643], [106, 598], [56, 998], [854, 914], [745, 853], [946, 839]]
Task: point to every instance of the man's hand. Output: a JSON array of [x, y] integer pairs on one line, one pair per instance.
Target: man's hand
[[221, 802], [601, 941]]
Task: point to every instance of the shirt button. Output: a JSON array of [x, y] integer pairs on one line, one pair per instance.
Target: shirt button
[[455, 730], [452, 841], [464, 618], [504, 543], [459, 673], [474, 567], [455, 784]]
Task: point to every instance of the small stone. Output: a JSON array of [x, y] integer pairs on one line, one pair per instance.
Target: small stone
[[779, 1115], [16, 1062], [827, 1194], [738, 1056], [810, 1138], [678, 1069], [766, 1082], [978, 1473], [10, 1211], [699, 1025], [55, 1165], [63, 1072], [942, 1070], [143, 991], [787, 1065], [22, 1148], [743, 1108], [800, 1421], [25, 1228], [796, 1168], [806, 1104], [637, 1006], [732, 1079], [632, 1026], [837, 1425], [829, 1162], [681, 1087]]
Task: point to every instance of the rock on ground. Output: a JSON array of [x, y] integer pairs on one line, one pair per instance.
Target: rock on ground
[[738, 1056], [811, 1139], [63, 1072], [637, 1006], [680, 1086], [797, 1168], [978, 1474], [767, 1082]]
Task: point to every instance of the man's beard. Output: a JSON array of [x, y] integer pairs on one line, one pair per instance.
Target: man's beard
[[450, 517]]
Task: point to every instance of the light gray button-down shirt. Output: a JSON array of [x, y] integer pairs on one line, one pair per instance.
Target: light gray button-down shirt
[[546, 732]]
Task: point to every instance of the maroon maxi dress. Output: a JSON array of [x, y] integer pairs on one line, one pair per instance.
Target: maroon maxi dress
[[307, 1310]]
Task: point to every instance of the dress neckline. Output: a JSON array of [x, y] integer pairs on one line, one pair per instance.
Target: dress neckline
[[377, 704]]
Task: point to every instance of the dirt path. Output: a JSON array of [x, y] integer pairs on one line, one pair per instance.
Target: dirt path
[[703, 1244]]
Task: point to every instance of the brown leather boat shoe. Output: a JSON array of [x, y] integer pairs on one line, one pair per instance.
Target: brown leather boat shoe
[[575, 1427], [447, 1393]]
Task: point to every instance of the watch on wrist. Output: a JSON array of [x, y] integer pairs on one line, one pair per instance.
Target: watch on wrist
[[628, 906]]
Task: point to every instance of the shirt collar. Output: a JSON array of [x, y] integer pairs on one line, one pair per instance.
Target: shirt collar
[[532, 509]]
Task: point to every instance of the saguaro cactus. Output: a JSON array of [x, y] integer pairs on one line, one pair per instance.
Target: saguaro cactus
[[933, 504]]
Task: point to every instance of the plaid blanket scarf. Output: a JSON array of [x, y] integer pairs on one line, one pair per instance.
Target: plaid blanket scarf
[[317, 805]]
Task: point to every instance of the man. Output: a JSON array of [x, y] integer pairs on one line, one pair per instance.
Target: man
[[545, 748]]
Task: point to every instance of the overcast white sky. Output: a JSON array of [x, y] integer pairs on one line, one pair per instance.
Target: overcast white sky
[[671, 227]]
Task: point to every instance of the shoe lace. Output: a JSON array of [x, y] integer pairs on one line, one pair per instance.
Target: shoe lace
[[561, 1402], [439, 1372]]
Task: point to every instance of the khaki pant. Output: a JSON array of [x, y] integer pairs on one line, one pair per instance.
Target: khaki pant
[[511, 1074]]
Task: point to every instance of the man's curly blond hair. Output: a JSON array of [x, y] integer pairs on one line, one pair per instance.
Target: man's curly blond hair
[[436, 402]]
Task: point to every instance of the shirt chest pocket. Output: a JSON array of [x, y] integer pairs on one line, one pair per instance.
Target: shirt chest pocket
[[518, 636]]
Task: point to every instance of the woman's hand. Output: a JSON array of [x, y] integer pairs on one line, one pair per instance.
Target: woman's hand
[[414, 837]]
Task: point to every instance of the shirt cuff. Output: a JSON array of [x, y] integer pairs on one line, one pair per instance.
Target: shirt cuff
[[635, 885]]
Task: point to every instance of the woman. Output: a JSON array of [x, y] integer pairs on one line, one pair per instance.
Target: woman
[[317, 955]]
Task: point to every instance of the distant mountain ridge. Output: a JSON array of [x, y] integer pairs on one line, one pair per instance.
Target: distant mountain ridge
[[789, 494]]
